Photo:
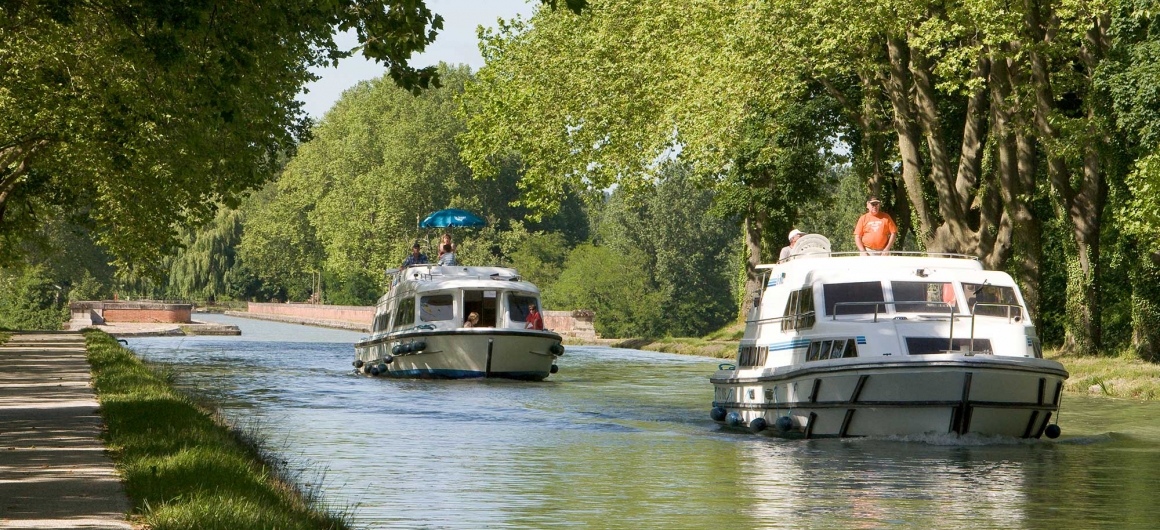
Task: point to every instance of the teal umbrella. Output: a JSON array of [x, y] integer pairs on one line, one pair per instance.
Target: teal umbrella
[[453, 218]]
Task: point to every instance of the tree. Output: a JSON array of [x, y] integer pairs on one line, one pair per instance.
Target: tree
[[614, 285], [602, 99], [153, 112]]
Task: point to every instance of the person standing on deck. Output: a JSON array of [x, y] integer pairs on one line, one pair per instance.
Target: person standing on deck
[[416, 258], [794, 235], [875, 232]]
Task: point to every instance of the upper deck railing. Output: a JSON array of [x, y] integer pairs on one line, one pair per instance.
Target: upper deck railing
[[848, 254], [429, 274]]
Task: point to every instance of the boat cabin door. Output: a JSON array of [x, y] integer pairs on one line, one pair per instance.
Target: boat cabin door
[[483, 302]]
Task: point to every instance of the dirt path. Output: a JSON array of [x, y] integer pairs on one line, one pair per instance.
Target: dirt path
[[54, 472]]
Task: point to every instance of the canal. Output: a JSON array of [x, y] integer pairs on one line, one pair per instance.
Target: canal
[[622, 439]]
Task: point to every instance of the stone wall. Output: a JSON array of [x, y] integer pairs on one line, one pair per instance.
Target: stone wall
[[362, 315], [576, 324], [100, 312]]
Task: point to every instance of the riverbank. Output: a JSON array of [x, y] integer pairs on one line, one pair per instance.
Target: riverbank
[[1117, 377], [182, 466]]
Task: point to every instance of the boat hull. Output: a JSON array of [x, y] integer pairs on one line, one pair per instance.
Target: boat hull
[[916, 395], [462, 354]]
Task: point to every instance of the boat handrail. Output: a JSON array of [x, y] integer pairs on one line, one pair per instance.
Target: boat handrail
[[782, 318], [913, 253], [950, 307]]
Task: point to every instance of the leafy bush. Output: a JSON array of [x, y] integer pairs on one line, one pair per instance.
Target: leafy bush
[[30, 301], [614, 285]]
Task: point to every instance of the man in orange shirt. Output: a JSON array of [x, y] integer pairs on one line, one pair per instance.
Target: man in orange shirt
[[875, 232]]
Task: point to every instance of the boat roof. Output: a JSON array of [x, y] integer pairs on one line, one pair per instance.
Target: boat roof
[[813, 268], [437, 277]]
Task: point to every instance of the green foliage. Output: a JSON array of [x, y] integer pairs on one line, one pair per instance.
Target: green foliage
[[357, 289], [30, 301], [182, 469], [153, 112], [681, 252], [202, 270], [835, 212], [540, 258], [614, 285]]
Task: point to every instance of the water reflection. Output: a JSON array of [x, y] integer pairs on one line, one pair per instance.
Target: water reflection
[[621, 438]]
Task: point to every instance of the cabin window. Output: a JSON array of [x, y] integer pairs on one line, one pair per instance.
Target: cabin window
[[992, 300], [799, 310], [518, 307], [382, 321], [437, 307], [925, 345], [750, 356], [856, 298], [405, 314], [831, 349], [482, 302], [927, 297]]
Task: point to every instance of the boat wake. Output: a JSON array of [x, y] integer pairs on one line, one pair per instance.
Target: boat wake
[[977, 440]]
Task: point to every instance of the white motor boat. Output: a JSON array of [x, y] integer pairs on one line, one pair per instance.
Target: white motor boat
[[419, 328], [907, 344]]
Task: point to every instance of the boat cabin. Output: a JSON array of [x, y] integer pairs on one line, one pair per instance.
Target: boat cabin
[[441, 297], [821, 307]]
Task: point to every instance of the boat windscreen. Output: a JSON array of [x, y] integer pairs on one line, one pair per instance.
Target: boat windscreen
[[929, 297], [518, 307], [992, 300], [856, 298], [437, 307]]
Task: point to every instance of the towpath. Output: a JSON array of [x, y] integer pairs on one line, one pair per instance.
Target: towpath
[[54, 472]]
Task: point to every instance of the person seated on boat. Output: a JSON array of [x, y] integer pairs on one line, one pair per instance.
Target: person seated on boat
[[534, 321], [472, 320], [794, 235], [416, 258], [444, 242], [875, 232], [447, 256]]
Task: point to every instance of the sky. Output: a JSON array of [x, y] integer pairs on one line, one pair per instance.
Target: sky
[[456, 43]]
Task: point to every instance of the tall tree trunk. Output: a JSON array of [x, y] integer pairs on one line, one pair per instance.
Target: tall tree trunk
[[755, 221], [1083, 204]]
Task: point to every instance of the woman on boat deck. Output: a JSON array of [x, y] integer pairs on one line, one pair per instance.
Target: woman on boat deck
[[447, 256], [472, 320], [444, 242]]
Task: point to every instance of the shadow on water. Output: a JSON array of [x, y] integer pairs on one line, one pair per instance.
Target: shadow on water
[[622, 438]]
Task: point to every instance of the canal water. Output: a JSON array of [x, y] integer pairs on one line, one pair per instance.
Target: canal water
[[622, 439]]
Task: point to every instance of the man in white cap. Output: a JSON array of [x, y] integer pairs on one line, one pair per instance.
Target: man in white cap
[[794, 235]]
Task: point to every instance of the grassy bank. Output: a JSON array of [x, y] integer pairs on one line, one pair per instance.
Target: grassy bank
[[4, 337], [721, 344], [1120, 377], [182, 467]]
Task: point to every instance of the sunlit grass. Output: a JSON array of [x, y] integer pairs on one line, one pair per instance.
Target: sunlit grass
[[1120, 376], [4, 337], [182, 467]]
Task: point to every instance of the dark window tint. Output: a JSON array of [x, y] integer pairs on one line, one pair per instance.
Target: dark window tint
[[437, 307], [382, 320], [925, 345], [518, 307], [831, 349], [932, 297], [405, 315], [992, 300], [799, 310], [855, 298]]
